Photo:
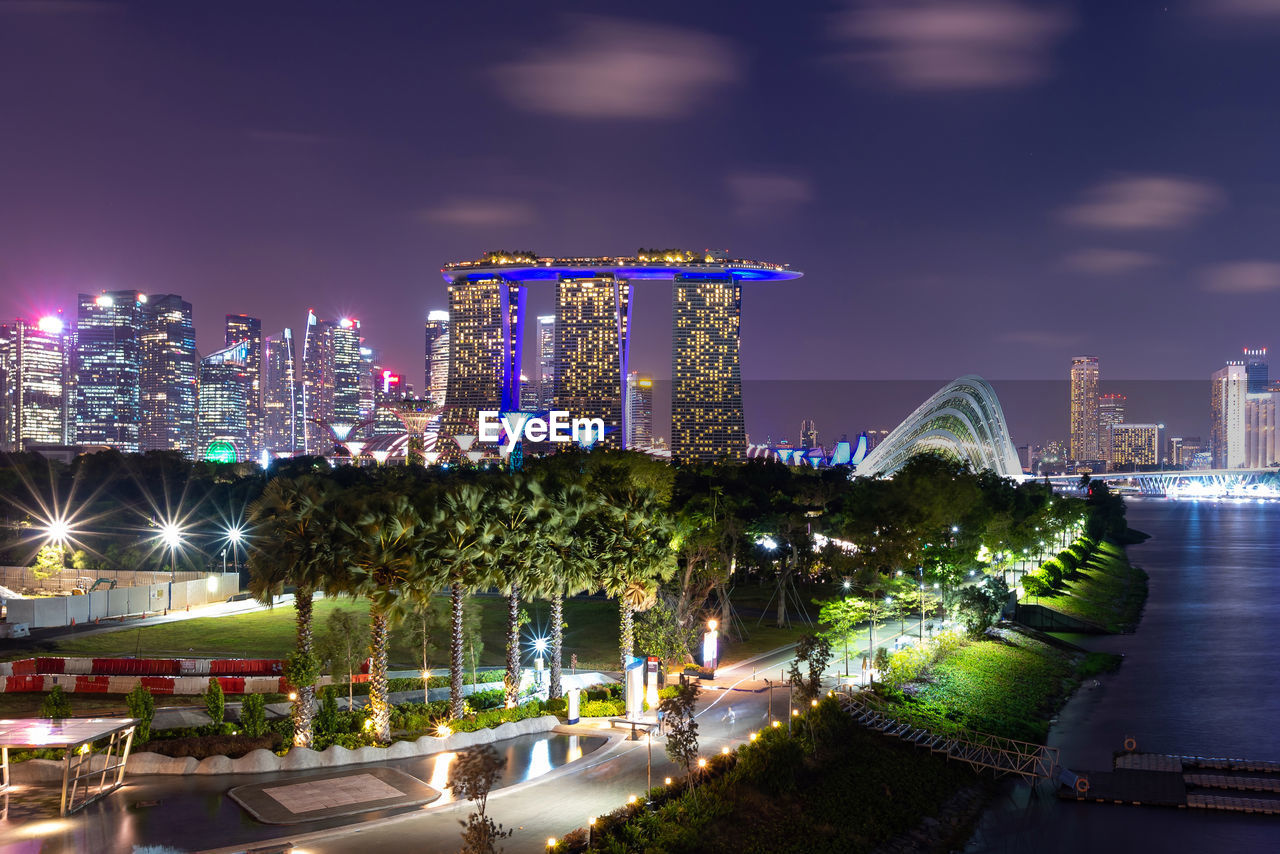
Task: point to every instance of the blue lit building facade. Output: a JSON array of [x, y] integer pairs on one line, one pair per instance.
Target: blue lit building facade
[[167, 396], [225, 387]]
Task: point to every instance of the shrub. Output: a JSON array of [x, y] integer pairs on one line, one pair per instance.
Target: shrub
[[204, 746], [1053, 572], [214, 702], [558, 706], [772, 762], [494, 717], [602, 708], [56, 704], [904, 665], [143, 707], [253, 718], [326, 720], [1035, 584], [489, 699]]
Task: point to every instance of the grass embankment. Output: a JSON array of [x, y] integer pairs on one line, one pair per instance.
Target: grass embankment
[[1107, 591], [1010, 686], [831, 786]]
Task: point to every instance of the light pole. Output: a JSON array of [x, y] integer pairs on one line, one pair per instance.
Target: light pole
[[920, 574], [171, 535], [235, 535]]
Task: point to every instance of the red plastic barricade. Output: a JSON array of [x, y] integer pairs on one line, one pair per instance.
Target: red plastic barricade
[[92, 684], [24, 666], [50, 665], [157, 684], [231, 684]]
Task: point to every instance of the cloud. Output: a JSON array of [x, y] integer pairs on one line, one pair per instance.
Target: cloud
[[477, 212], [1134, 202], [1040, 338], [1243, 10], [614, 69], [759, 195], [949, 45], [1243, 277], [1106, 262]]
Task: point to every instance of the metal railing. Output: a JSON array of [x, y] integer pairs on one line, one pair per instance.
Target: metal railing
[[980, 751]]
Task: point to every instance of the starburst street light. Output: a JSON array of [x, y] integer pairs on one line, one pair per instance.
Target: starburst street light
[[234, 534], [57, 531]]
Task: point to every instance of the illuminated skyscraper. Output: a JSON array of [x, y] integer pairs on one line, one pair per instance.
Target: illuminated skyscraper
[[808, 434], [33, 385], [1135, 445], [108, 369], [639, 411], [544, 379], [592, 328], [317, 385], [484, 352], [706, 377], [348, 391], [167, 396], [241, 327], [1111, 411], [1256, 369], [437, 357], [1227, 416], [225, 385], [282, 397], [1085, 439]]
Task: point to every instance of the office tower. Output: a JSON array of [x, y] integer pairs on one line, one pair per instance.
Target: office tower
[[108, 369], [225, 387], [239, 328], [347, 368], [370, 377], [528, 394], [331, 368], [34, 400], [706, 377], [808, 434], [389, 390], [1183, 450], [592, 328], [484, 353], [167, 394], [1227, 405], [1111, 410], [1256, 370], [545, 379], [1260, 428], [1135, 445], [1085, 443], [639, 411], [436, 378], [282, 397]]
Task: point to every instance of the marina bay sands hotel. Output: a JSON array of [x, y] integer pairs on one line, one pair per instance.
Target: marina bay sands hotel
[[592, 334]]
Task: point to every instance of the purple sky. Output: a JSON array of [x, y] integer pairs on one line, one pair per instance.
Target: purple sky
[[985, 186]]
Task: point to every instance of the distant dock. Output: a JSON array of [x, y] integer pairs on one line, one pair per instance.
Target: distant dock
[[1195, 782]]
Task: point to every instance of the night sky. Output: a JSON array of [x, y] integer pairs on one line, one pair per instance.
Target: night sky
[[986, 186]]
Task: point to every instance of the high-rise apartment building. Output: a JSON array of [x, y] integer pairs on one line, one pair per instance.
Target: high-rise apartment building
[[1111, 411], [1227, 416], [437, 352], [1085, 438], [639, 411], [167, 395], [1256, 369], [241, 327], [484, 353], [706, 376], [591, 336], [225, 385], [34, 385], [544, 380], [108, 369], [348, 366], [1134, 445], [282, 397]]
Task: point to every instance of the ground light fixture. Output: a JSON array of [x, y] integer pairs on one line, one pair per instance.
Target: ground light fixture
[[666, 781]]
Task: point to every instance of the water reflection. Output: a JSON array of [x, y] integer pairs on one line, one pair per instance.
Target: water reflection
[[1198, 678], [180, 813]]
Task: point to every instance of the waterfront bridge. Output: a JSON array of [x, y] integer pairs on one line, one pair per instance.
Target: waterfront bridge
[[1260, 483]]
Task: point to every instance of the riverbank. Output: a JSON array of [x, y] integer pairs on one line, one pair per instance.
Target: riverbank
[[1107, 592]]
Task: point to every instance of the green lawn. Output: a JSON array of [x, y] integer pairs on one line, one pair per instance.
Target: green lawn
[[1108, 592], [1004, 688], [592, 634]]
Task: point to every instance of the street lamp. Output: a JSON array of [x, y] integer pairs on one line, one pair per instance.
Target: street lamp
[[709, 644], [920, 573], [235, 536]]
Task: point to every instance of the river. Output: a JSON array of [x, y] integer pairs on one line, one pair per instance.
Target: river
[[1201, 676]]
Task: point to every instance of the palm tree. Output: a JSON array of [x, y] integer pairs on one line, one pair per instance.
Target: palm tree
[[519, 512], [638, 532], [381, 543], [461, 536], [293, 544], [572, 564]]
